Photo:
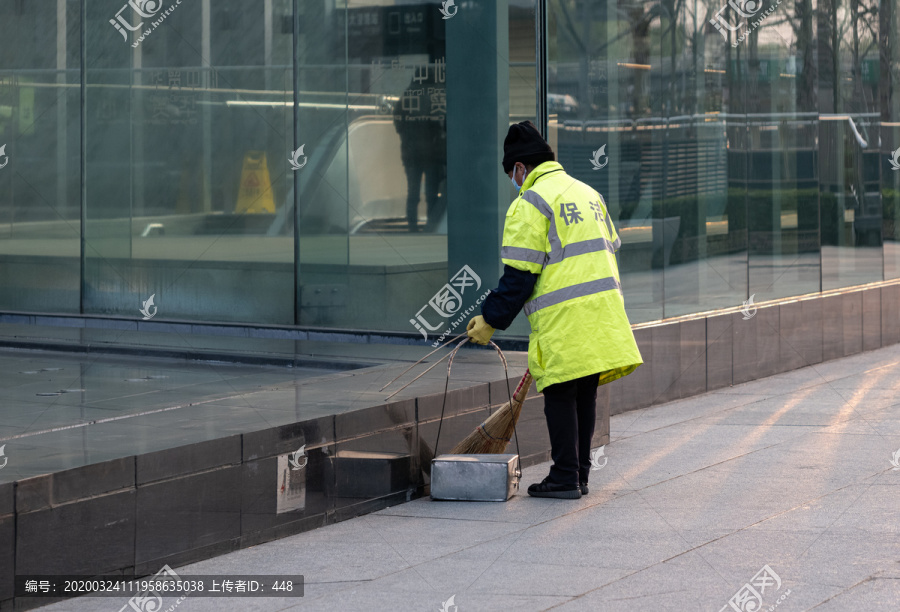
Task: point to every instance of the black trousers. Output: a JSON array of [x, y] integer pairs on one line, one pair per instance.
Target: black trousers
[[571, 411]]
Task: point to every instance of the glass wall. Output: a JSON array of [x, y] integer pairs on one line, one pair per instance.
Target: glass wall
[[188, 127], [742, 146], [40, 156], [887, 60], [388, 203], [336, 163]]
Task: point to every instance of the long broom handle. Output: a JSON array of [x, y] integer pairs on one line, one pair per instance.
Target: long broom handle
[[451, 355], [423, 359], [430, 368]]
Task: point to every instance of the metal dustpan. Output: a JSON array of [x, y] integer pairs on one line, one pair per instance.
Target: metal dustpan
[[475, 477]]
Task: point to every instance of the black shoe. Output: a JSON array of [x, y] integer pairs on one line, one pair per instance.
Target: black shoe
[[550, 489], [584, 488]]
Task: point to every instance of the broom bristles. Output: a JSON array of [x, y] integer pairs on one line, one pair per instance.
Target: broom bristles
[[491, 437], [495, 433]]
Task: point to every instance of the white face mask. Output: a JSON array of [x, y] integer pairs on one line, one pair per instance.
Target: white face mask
[[513, 179]]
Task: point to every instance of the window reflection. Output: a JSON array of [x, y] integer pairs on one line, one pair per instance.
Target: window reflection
[[743, 143], [420, 117], [40, 158]]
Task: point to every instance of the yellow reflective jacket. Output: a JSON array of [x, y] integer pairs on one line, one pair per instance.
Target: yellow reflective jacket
[[560, 228]]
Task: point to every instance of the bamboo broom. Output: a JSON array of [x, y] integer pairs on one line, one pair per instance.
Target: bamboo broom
[[495, 433]]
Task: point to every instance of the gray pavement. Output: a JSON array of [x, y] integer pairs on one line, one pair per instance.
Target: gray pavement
[[774, 494]]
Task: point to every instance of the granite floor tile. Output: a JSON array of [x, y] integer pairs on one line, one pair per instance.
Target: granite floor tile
[[878, 594]]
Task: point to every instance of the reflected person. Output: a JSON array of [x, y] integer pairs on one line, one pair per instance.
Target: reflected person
[[420, 120]]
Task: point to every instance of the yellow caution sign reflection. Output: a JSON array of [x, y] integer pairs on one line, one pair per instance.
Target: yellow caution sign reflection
[[255, 192]]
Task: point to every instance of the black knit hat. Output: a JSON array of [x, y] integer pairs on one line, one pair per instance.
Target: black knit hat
[[525, 144]]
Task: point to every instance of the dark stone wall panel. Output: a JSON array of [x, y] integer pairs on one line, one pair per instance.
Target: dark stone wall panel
[[64, 540], [186, 513], [719, 358]]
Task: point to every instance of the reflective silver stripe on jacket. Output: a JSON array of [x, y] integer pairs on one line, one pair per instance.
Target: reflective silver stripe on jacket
[[522, 254], [569, 293], [557, 252], [609, 224], [535, 199], [607, 218], [580, 248]]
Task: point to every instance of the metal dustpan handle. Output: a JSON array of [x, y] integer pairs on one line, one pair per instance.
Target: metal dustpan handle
[[447, 385]]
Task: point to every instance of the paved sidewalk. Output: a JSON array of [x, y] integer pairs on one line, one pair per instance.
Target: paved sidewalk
[[791, 472]]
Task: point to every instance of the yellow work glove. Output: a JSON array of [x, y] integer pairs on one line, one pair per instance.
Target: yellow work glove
[[479, 331]]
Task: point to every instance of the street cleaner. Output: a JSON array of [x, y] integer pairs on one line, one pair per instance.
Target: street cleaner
[[558, 251]]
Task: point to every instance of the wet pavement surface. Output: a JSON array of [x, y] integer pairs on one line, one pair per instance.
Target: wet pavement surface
[[60, 410]]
